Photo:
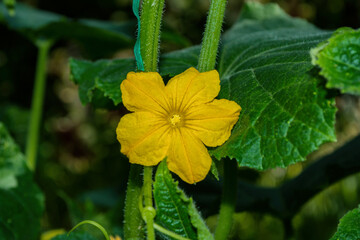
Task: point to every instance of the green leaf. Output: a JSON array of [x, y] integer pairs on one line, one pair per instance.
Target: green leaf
[[74, 236], [21, 201], [103, 76], [265, 67], [349, 226], [102, 37], [174, 210], [339, 60]]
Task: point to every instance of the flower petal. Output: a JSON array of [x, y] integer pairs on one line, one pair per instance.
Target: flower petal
[[212, 122], [144, 91], [144, 138], [192, 88], [187, 156]]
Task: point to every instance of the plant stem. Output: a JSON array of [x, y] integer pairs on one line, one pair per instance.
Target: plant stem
[[149, 211], [210, 43], [228, 200], [133, 224], [37, 103], [151, 15]]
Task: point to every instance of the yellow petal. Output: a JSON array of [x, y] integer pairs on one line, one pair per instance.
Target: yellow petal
[[144, 91], [212, 122], [192, 88], [144, 137], [188, 157]]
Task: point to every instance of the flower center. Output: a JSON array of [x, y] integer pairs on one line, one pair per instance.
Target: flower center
[[175, 120]]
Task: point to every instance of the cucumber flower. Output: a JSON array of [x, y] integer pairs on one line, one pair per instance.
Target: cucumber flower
[[175, 121]]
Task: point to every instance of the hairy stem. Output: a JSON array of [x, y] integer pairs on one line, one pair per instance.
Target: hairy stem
[[151, 15], [228, 200], [37, 103], [134, 224], [210, 43], [149, 211]]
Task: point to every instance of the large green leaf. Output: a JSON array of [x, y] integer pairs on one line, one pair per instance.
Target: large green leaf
[[339, 59], [101, 36], [265, 67], [349, 226], [175, 211], [21, 202]]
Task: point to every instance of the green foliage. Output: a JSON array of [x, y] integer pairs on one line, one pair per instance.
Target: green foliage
[[21, 201], [339, 60], [99, 36], [74, 236], [349, 226], [265, 66], [175, 211]]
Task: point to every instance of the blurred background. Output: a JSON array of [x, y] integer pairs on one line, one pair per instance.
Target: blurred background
[[80, 168]]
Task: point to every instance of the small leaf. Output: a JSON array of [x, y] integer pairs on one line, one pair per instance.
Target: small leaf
[[174, 210], [21, 202], [214, 170], [349, 226], [339, 60]]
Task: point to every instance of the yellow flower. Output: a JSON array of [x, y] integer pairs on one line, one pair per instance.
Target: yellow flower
[[175, 120]]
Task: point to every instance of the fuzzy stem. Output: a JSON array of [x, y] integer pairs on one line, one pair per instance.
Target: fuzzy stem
[[149, 211], [151, 15], [228, 200], [133, 224], [37, 103], [210, 43]]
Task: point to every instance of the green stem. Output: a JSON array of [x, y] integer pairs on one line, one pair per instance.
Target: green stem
[[151, 15], [37, 103], [210, 43], [133, 223], [228, 200], [149, 211]]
